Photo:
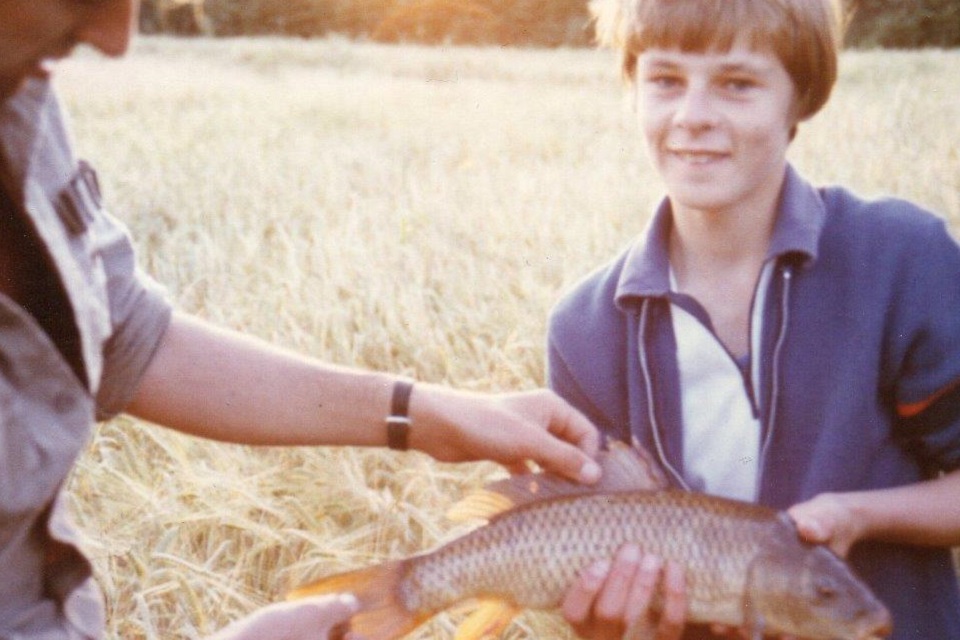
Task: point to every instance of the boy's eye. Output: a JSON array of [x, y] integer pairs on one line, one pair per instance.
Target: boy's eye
[[739, 84], [664, 81]]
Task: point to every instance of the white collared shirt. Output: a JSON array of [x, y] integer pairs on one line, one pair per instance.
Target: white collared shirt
[[721, 428]]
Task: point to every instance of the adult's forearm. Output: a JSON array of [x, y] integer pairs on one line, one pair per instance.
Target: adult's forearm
[[219, 384]]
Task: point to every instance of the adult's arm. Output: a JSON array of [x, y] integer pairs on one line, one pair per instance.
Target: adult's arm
[[219, 384]]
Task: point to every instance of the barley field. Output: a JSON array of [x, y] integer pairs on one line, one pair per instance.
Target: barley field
[[410, 209]]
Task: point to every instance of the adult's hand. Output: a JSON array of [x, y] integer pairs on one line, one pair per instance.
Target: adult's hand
[[456, 426], [310, 618]]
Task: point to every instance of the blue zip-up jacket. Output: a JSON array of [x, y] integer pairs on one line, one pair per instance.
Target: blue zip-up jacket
[[858, 383]]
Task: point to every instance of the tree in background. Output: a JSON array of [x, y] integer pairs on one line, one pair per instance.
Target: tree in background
[[182, 17], [440, 21], [894, 23], [875, 23], [517, 22]]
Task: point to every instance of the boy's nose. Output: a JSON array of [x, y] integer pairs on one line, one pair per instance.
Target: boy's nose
[[695, 110], [109, 25]]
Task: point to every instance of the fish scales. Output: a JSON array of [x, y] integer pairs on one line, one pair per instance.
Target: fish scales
[[715, 540]]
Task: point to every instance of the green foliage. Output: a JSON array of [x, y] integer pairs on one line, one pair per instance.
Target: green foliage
[[875, 23], [513, 22], [898, 24], [549, 22], [259, 17], [506, 22]]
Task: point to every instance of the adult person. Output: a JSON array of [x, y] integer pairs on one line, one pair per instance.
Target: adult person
[[768, 340], [84, 335]]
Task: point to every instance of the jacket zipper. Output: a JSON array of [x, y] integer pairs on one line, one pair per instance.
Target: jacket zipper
[[787, 275], [651, 413]]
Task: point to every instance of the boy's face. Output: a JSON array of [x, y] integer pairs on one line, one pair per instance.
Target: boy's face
[[717, 124], [35, 32]]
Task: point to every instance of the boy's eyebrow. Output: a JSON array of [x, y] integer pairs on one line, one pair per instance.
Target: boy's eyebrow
[[740, 66], [745, 67], [658, 61]]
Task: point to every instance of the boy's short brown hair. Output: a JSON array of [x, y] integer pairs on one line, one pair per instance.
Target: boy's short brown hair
[[805, 35]]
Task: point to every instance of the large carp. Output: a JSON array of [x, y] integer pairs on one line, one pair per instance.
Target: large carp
[[744, 564]]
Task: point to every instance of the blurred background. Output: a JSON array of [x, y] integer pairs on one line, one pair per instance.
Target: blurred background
[[535, 23]]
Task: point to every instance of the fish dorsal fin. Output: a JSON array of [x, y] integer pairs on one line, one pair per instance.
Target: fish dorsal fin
[[487, 621], [625, 468]]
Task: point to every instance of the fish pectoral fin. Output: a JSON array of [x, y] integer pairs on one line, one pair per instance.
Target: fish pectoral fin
[[479, 505], [488, 620]]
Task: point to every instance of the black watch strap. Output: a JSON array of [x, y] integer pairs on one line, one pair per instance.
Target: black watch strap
[[398, 422]]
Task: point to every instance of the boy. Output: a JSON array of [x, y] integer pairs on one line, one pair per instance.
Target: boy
[[767, 340]]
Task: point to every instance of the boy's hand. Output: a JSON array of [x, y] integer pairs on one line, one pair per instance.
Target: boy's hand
[[611, 600]]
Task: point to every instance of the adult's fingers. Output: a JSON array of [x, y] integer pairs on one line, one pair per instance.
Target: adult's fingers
[[570, 425], [566, 460], [565, 442], [331, 613], [310, 618]]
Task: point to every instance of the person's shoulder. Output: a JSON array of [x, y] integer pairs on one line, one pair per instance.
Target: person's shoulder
[[593, 295], [586, 322], [880, 217], [887, 235]]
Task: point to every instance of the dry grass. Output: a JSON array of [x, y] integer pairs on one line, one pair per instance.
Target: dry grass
[[402, 208]]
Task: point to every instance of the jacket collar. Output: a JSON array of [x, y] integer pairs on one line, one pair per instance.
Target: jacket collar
[[29, 121], [800, 220]]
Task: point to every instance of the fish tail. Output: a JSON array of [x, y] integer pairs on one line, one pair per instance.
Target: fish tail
[[382, 615]]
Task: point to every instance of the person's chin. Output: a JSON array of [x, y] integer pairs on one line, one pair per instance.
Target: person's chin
[[9, 86]]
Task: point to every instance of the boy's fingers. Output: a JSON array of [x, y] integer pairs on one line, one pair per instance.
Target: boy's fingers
[[644, 586], [674, 615], [579, 599], [612, 600]]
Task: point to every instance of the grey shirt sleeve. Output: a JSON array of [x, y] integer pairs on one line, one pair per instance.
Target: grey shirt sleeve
[[139, 315]]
